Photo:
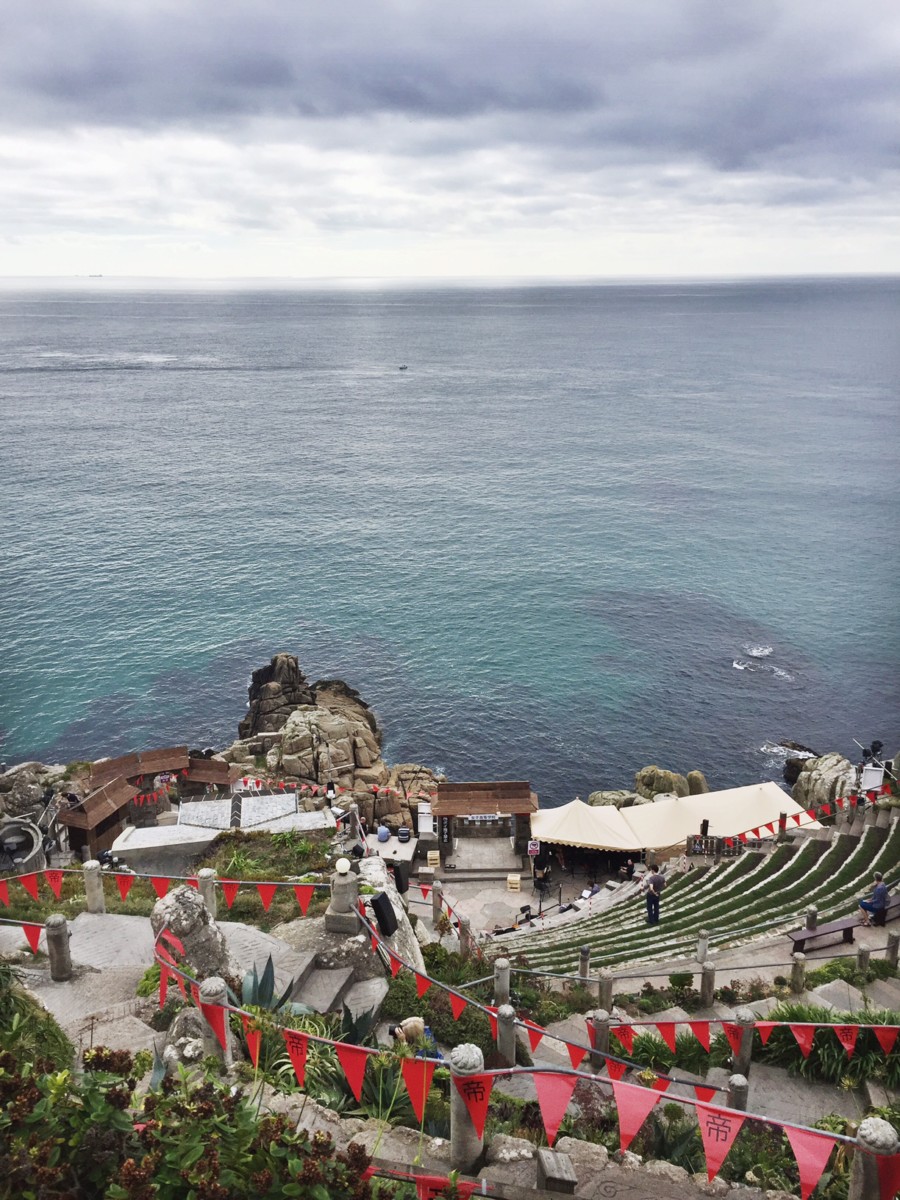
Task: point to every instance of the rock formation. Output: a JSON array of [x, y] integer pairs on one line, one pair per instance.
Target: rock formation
[[184, 912], [618, 799], [275, 691], [25, 795], [822, 779], [697, 785], [655, 781]]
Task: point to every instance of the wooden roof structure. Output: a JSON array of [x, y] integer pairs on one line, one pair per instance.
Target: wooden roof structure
[[148, 762], [483, 799], [102, 803], [211, 770]]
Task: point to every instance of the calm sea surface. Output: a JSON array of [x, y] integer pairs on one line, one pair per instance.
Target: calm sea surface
[[589, 528]]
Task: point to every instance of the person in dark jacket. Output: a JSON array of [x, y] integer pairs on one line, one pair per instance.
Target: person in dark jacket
[[877, 902], [653, 886]]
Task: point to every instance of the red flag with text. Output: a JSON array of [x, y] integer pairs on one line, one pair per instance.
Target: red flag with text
[[475, 1091], [718, 1129]]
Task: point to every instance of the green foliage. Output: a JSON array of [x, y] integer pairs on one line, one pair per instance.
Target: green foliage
[[26, 1027], [259, 993], [61, 1136], [149, 982], [358, 1029], [827, 1061], [845, 969]]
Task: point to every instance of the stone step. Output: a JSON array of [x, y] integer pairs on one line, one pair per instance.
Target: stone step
[[103, 940], [249, 947], [878, 1096], [365, 995], [884, 994], [323, 991]]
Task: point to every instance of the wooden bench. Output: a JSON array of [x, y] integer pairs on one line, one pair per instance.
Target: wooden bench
[[844, 927]]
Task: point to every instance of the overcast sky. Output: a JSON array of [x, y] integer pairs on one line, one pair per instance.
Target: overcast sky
[[497, 137]]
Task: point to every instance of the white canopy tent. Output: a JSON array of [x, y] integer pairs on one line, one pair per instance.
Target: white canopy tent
[[665, 823]]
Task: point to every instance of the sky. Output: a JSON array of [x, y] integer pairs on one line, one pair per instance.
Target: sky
[[404, 138]]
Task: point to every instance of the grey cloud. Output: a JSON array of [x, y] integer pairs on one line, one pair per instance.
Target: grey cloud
[[733, 85]]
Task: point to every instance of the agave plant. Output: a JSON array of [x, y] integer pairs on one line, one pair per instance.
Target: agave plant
[[259, 992]]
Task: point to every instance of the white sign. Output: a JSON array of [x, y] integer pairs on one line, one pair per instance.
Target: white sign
[[534, 849]]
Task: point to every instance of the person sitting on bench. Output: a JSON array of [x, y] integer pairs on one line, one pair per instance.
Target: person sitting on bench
[[877, 902]]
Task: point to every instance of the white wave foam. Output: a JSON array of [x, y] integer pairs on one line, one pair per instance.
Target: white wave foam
[[742, 666], [779, 673], [756, 651], [776, 750]]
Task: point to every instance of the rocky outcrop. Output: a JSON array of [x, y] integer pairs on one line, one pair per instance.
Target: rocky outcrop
[[822, 779], [275, 691], [697, 785], [618, 799], [184, 912], [655, 781], [25, 796]]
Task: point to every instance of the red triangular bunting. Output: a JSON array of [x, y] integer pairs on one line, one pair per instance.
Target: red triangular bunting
[[812, 1151], [374, 942], [353, 1059], [667, 1033], [826, 810], [163, 984], [839, 801], [734, 1033], [395, 962], [634, 1104], [700, 1030], [576, 1054], [755, 833], [615, 1069], [889, 1176], [535, 1033], [795, 817], [742, 837], [254, 1037], [33, 933], [4, 893], [30, 884], [159, 885], [457, 1004], [417, 1073], [491, 1015], [304, 893], [423, 983], [166, 935], [124, 884], [193, 882], [554, 1093], [847, 1035], [887, 1035], [770, 825], [718, 1129], [54, 881], [425, 888], [804, 1035], [229, 890], [266, 892], [297, 1044], [660, 1084], [764, 1029], [811, 813], [195, 994], [476, 1092], [704, 1094], [729, 841], [625, 1034], [215, 1017]]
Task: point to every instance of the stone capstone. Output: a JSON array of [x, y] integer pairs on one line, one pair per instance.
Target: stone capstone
[[184, 912], [697, 785]]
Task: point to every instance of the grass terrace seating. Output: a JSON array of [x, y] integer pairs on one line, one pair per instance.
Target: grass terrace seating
[[735, 902]]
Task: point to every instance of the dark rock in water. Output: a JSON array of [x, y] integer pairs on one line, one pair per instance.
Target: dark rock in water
[[792, 769], [788, 745], [275, 691]]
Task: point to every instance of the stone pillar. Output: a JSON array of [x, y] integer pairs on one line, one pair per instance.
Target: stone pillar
[[812, 917], [893, 946], [605, 982], [437, 900], [506, 1034], [501, 981], [465, 937], [465, 1145], [93, 887], [341, 916], [747, 1021], [782, 827], [798, 974], [863, 955], [738, 1091], [880, 1139], [707, 984], [702, 945], [213, 991], [57, 930], [206, 885], [600, 1023], [584, 962]]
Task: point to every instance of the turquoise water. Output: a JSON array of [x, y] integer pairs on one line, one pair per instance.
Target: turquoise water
[[587, 529]]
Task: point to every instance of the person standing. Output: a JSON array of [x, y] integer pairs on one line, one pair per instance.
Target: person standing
[[877, 902], [654, 884]]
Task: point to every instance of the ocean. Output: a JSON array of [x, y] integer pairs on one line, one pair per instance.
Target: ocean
[[589, 528]]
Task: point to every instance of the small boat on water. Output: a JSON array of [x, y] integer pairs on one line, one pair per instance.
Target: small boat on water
[[403, 367]]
